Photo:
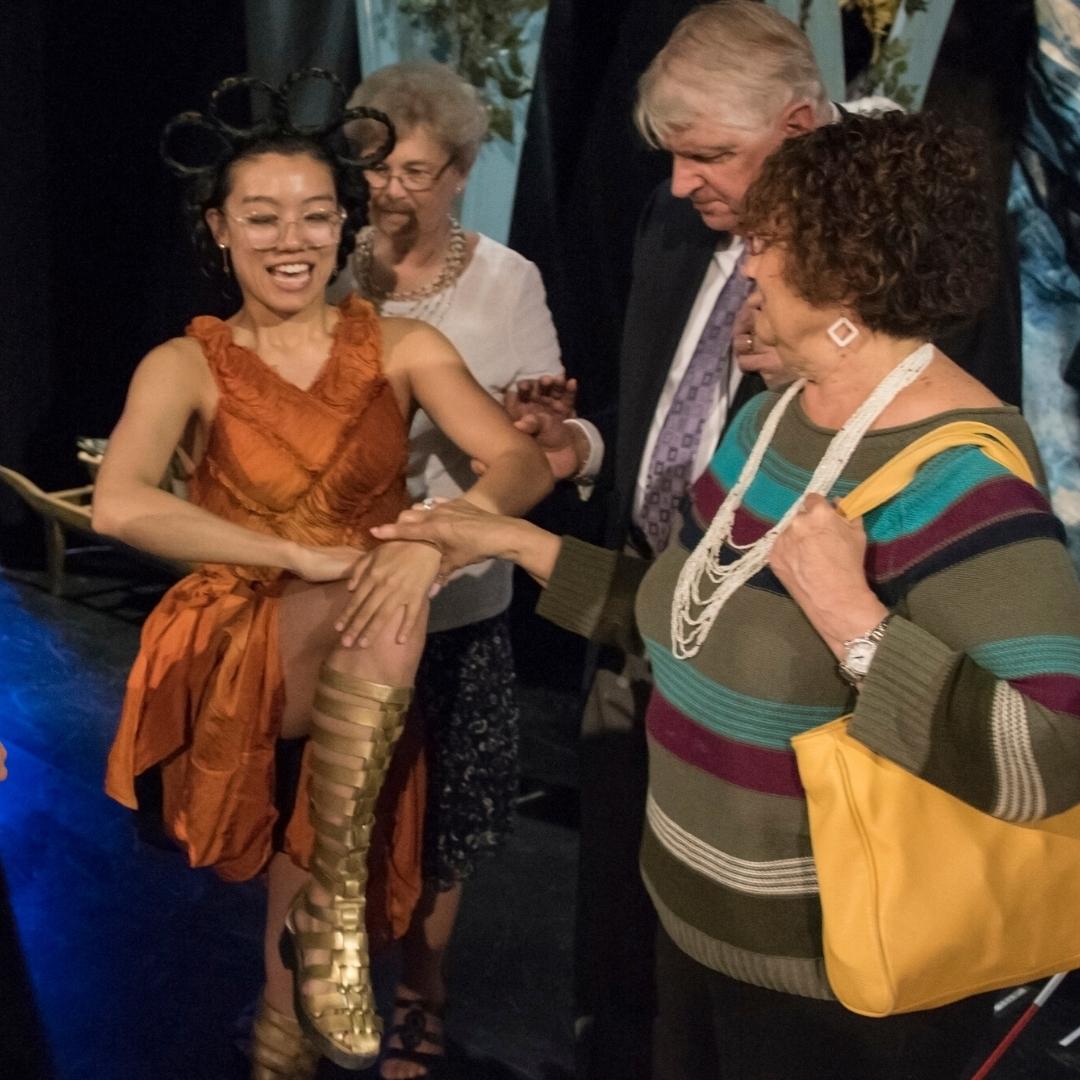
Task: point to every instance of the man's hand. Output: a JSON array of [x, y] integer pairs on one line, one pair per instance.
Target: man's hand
[[754, 355], [540, 408]]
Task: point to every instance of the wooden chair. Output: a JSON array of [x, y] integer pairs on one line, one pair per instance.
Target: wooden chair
[[69, 511]]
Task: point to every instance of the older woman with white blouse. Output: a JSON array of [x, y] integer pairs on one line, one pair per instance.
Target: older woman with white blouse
[[415, 260]]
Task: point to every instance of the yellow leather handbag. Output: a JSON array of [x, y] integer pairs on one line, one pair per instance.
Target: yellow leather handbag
[[925, 899]]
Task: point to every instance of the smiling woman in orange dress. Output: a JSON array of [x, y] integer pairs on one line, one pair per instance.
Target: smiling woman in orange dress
[[295, 416]]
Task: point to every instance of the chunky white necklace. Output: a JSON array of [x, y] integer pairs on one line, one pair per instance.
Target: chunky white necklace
[[364, 259], [704, 586]]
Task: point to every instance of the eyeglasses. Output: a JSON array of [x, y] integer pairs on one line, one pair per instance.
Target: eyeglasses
[[316, 228], [756, 243], [411, 178]]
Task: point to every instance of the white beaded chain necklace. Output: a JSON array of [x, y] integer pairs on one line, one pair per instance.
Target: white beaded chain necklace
[[694, 608]]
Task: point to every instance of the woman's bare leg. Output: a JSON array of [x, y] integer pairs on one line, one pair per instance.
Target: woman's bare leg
[[307, 640]]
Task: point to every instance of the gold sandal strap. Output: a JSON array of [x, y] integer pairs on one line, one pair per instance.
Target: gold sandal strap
[[330, 803], [361, 780], [346, 914], [279, 1048], [378, 739], [347, 873], [352, 684], [348, 835], [371, 716]]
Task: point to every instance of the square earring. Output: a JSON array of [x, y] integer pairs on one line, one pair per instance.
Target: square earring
[[843, 332]]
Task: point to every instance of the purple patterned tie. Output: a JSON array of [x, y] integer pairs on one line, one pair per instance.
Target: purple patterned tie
[[677, 444]]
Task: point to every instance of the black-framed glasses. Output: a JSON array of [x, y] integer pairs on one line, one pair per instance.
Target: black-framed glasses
[[316, 228], [411, 178]]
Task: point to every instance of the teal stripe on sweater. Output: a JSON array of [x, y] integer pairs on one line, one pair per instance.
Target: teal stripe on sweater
[[1039, 654], [751, 720], [774, 489], [942, 481]]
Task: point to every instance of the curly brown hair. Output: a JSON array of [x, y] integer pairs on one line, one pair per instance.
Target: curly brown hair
[[885, 214]]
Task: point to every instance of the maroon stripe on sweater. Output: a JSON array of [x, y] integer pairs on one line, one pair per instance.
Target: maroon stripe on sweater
[[707, 495], [773, 772], [994, 501], [1061, 693]]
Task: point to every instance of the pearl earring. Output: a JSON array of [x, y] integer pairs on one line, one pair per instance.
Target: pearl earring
[[225, 259], [843, 332]]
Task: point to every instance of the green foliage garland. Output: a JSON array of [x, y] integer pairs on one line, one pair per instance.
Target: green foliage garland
[[888, 63], [482, 40]]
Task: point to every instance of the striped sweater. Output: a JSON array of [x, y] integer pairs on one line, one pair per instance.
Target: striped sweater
[[975, 686]]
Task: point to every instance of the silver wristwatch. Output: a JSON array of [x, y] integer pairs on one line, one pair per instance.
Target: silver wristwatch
[[859, 653]]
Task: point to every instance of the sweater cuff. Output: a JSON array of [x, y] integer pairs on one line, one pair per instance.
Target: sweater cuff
[[895, 708], [578, 588]]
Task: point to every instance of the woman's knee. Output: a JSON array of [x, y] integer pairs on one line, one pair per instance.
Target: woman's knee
[[384, 660]]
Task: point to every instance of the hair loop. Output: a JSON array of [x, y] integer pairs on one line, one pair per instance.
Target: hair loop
[[308, 77], [381, 152], [278, 112], [192, 145], [228, 90]]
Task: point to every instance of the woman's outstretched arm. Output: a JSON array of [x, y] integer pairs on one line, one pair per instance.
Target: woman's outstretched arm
[[516, 473], [169, 388], [427, 371]]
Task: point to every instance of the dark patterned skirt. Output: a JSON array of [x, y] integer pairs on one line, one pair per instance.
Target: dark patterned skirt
[[465, 688]]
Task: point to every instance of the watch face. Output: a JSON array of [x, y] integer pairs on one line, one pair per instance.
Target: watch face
[[859, 656]]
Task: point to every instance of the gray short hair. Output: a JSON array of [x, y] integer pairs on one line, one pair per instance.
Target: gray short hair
[[423, 92], [745, 58]]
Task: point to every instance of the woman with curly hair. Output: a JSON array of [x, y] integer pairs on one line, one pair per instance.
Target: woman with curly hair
[[947, 621], [294, 415]]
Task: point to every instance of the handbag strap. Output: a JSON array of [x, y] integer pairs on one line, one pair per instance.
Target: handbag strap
[[899, 470]]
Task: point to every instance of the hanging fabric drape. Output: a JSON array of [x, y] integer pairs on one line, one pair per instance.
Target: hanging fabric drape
[[1045, 203]]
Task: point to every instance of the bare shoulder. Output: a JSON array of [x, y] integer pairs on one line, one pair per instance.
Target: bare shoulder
[[179, 356], [408, 342], [175, 370]]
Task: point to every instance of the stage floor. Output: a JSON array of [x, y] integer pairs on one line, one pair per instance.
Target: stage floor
[[141, 969]]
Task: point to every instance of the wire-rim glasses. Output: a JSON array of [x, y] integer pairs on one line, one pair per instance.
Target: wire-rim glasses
[[410, 178]]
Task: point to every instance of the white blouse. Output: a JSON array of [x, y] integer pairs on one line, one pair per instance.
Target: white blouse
[[498, 319]]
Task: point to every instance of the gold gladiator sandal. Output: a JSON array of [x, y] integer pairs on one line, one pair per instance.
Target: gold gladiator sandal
[[279, 1048], [340, 1017]]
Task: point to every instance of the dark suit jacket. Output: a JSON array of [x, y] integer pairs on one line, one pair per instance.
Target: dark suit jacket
[[671, 254]]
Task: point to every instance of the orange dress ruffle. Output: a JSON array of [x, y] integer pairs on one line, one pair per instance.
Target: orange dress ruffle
[[319, 466]]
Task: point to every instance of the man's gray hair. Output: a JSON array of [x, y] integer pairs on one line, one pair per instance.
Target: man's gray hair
[[419, 93], [743, 58]]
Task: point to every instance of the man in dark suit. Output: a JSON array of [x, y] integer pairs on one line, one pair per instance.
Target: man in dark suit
[[734, 80]]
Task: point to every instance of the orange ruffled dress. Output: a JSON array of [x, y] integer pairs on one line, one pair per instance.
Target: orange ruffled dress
[[319, 466]]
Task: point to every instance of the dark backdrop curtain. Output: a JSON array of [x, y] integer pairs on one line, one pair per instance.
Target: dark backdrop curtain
[[24, 309], [99, 267], [586, 173], [285, 35]]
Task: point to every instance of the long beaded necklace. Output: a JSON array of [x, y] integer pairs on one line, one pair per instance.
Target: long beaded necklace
[[694, 607], [428, 302]]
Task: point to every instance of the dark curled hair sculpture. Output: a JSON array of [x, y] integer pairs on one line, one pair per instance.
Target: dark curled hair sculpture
[[202, 149]]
